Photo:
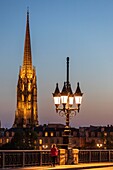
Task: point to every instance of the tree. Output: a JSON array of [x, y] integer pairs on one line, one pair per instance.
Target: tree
[[22, 140]]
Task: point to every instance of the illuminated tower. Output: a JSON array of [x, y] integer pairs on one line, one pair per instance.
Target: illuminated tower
[[26, 114]]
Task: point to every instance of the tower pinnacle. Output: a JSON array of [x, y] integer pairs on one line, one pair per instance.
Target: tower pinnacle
[[27, 60]]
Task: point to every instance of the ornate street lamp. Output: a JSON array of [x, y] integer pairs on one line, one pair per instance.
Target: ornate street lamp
[[67, 103], [66, 99], [99, 145]]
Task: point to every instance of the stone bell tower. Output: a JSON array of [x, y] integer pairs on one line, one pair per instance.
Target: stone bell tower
[[26, 114]]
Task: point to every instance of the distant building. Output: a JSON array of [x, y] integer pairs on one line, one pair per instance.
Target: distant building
[[26, 114], [92, 137]]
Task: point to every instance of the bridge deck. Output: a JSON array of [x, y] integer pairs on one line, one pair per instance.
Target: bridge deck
[[68, 167]]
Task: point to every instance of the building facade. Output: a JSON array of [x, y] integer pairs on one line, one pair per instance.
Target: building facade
[[26, 114], [93, 137]]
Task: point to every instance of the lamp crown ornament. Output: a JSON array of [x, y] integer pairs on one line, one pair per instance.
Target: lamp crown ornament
[[78, 91], [57, 91], [64, 90]]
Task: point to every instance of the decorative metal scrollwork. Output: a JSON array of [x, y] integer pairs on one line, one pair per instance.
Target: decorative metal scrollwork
[[62, 113], [71, 114]]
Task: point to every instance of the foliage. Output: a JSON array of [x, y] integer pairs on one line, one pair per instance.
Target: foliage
[[22, 140]]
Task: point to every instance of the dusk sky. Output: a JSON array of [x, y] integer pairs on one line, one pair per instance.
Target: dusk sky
[[79, 29]]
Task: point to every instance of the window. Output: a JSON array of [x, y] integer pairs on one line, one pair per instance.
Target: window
[[52, 134], [7, 134], [111, 133], [7, 140], [92, 134], [57, 133], [29, 105], [105, 134], [46, 133], [29, 86], [23, 87], [46, 140], [52, 140], [40, 134], [98, 134], [29, 97], [74, 134], [40, 141], [0, 140], [35, 142], [23, 98], [12, 133], [58, 141]]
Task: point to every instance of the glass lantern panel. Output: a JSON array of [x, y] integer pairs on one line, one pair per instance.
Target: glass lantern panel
[[70, 100], [57, 100], [78, 99], [64, 99]]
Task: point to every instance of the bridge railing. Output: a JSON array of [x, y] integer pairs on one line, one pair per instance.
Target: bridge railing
[[25, 158], [86, 156]]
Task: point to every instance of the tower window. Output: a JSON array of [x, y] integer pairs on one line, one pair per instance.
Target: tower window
[[22, 97], [23, 87], [29, 86], [29, 97]]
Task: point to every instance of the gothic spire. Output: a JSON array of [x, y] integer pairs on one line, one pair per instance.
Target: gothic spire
[[27, 61], [26, 114]]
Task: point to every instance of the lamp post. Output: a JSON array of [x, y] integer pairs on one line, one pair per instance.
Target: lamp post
[[99, 145], [67, 103]]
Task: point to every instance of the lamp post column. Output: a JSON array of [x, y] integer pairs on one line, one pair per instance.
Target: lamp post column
[[67, 115], [67, 131]]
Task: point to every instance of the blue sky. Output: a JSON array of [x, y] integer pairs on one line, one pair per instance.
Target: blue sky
[[79, 29]]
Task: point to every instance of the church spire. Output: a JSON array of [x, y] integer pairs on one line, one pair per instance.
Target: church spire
[[26, 114], [27, 61]]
